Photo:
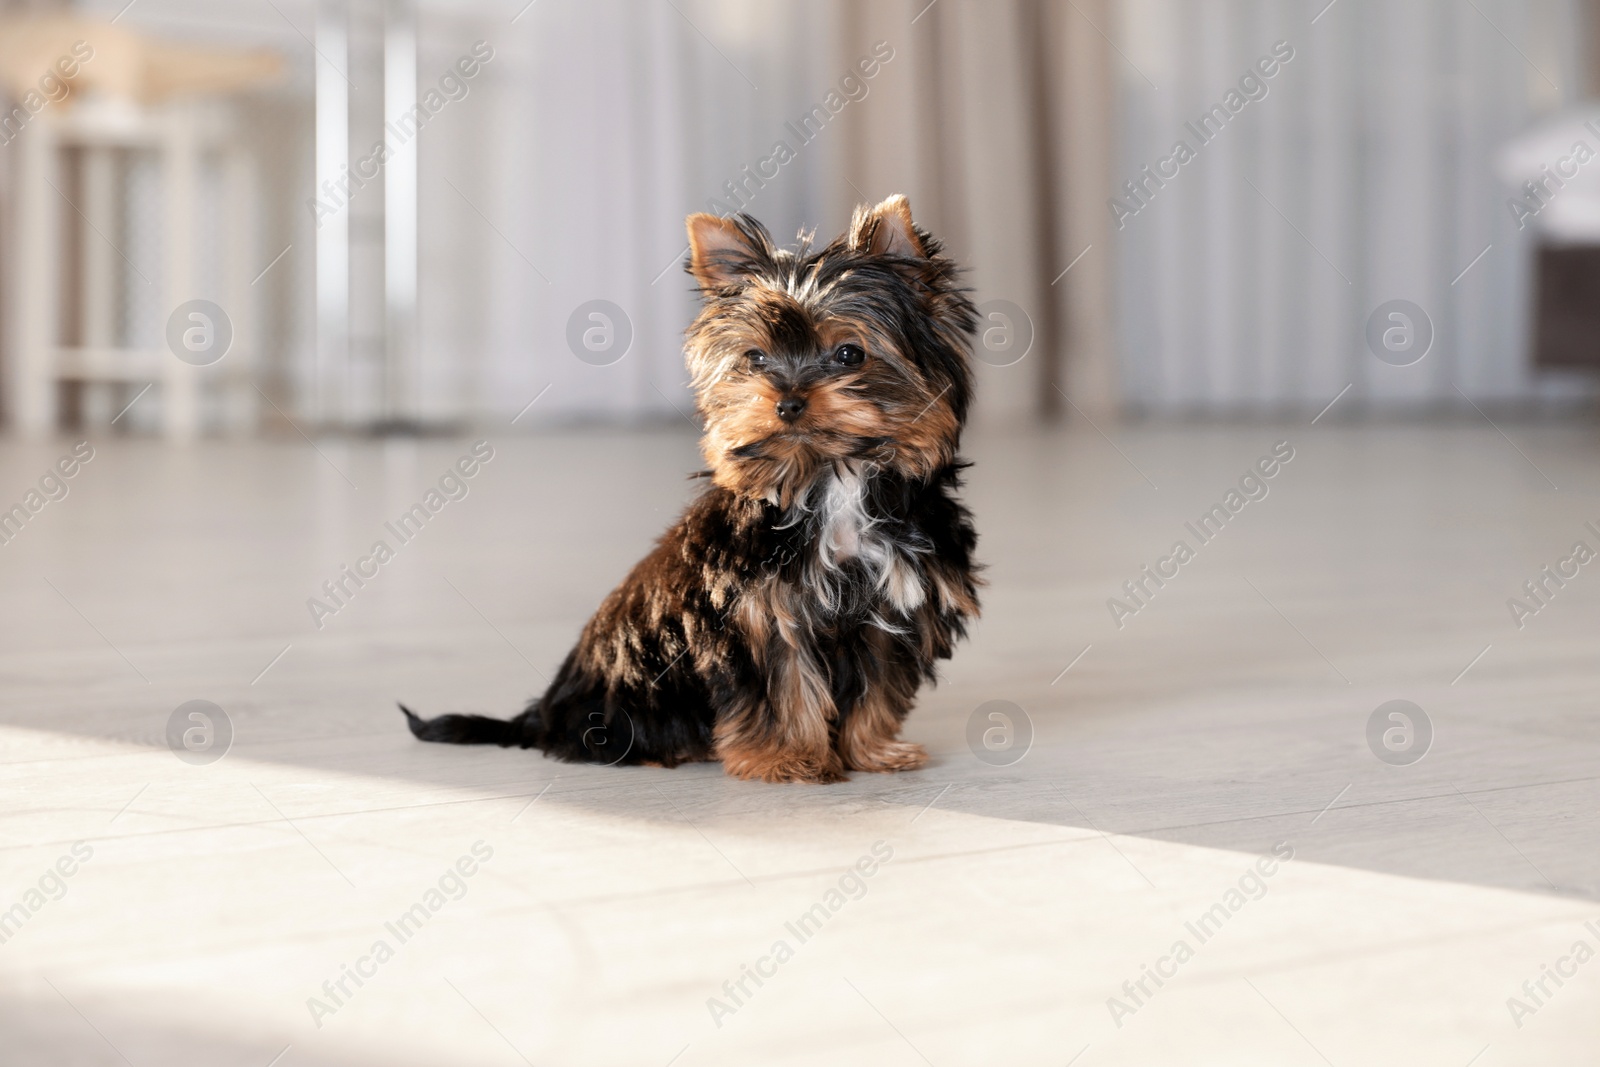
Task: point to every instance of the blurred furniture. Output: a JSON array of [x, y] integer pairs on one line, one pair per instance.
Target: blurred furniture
[[66, 283], [1555, 195], [1567, 306]]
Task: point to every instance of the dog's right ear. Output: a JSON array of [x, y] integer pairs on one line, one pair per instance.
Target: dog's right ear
[[723, 252], [887, 230]]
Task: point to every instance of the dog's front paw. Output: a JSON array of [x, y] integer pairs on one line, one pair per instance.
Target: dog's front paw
[[888, 757], [782, 767]]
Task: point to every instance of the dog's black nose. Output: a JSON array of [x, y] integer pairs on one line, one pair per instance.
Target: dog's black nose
[[790, 407]]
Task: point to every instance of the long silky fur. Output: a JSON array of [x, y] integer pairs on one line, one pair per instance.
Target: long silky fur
[[785, 622]]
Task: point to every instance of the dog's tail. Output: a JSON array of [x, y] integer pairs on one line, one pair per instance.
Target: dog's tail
[[467, 729]]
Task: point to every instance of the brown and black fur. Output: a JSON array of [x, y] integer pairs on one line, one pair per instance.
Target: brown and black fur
[[785, 623]]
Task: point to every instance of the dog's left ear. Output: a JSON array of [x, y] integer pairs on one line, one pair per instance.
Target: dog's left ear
[[887, 230], [724, 251]]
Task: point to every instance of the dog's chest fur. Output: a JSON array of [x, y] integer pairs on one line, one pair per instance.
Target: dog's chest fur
[[859, 559]]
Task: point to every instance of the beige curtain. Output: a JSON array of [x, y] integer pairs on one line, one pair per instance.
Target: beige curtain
[[564, 175], [997, 125], [602, 125], [1362, 175]]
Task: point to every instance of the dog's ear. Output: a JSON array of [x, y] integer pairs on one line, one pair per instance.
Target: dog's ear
[[887, 230], [723, 252]]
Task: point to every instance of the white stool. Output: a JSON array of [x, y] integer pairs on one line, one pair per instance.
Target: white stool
[[143, 96]]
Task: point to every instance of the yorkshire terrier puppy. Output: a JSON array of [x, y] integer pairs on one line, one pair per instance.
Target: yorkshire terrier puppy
[[784, 624]]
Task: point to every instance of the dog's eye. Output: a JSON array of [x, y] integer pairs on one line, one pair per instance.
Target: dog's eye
[[756, 358], [849, 355]]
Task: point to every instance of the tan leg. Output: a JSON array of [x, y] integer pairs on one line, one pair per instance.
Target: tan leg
[[781, 739], [787, 736], [867, 738], [770, 762]]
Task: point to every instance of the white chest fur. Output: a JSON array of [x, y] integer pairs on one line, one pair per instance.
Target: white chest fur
[[847, 531]]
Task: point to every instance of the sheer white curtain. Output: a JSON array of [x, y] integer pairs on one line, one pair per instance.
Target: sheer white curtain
[[1365, 174], [598, 126], [563, 176]]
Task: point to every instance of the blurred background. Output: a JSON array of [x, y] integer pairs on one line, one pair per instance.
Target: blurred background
[[538, 156], [273, 264]]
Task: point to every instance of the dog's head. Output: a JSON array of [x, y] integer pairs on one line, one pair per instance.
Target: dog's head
[[801, 359]]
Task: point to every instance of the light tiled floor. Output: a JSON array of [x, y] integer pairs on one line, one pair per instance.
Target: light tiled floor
[[1227, 717]]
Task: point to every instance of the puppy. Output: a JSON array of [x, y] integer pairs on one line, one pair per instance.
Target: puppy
[[784, 624]]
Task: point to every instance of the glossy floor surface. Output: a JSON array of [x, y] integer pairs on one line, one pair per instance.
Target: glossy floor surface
[[1213, 849]]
